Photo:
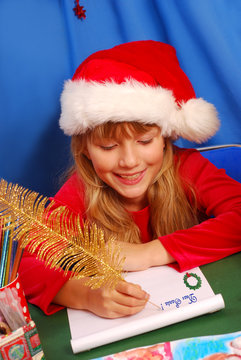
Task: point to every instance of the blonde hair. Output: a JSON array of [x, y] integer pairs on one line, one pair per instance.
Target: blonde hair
[[170, 209]]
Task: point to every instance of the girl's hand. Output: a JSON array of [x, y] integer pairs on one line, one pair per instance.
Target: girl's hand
[[126, 299], [142, 256]]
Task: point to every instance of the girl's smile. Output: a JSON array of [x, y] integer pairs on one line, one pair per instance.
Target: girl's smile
[[128, 164], [131, 179]]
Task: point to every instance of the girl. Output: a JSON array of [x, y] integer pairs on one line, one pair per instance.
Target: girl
[[165, 205]]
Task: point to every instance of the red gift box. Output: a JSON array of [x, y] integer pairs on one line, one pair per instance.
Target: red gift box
[[23, 343]]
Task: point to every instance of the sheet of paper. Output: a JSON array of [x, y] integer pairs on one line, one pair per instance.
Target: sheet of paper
[[172, 291]]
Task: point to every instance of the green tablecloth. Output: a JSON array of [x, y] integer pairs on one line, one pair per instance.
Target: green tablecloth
[[224, 276]]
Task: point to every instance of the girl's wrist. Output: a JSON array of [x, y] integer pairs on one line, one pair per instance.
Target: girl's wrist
[[73, 294], [157, 254]]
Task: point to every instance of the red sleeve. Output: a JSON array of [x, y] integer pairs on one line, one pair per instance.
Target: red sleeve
[[219, 197], [41, 283]]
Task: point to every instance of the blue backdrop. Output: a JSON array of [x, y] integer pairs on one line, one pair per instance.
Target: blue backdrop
[[42, 42]]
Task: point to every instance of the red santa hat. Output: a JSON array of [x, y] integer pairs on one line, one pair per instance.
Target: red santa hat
[[137, 81]]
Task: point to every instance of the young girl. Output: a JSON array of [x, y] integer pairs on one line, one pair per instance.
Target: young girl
[[165, 205]]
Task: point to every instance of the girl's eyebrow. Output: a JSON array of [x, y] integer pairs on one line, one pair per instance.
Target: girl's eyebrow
[[150, 132]]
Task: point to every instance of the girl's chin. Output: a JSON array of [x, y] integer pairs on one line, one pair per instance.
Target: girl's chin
[[133, 202]]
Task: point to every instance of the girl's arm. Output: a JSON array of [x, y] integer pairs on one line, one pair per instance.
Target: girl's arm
[[126, 299], [51, 291], [219, 197], [142, 256]]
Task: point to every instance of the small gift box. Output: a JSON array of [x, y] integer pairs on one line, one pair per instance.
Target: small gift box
[[23, 343]]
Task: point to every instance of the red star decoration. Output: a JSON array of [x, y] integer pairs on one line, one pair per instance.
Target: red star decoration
[[79, 10]]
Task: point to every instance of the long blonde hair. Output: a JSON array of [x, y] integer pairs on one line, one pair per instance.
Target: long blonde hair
[[170, 209]]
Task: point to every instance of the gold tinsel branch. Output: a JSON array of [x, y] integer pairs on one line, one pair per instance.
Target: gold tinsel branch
[[59, 237]]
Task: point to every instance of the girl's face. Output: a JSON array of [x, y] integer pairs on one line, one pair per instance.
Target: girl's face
[[128, 164]]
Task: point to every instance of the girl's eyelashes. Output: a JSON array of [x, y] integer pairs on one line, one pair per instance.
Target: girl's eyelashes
[[147, 141], [107, 147], [110, 147]]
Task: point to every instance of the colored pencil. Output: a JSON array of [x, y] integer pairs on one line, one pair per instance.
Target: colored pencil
[[13, 254], [1, 235], [8, 260], [16, 262], [4, 256]]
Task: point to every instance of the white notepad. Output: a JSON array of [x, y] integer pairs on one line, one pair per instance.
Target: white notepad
[[178, 295]]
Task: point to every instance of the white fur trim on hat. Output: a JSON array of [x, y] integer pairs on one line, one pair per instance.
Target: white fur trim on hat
[[86, 104]]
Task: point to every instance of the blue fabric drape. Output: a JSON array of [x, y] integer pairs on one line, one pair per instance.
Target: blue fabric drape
[[42, 42]]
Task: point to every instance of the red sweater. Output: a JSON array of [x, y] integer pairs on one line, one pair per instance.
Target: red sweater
[[219, 197]]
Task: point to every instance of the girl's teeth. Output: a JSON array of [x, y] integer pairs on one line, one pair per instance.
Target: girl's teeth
[[130, 177]]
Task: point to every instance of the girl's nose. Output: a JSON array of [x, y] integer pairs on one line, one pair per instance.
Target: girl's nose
[[128, 157]]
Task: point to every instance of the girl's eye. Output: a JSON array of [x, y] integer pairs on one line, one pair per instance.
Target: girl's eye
[[110, 147], [147, 141]]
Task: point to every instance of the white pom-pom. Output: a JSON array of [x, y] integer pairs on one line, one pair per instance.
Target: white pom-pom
[[196, 120]]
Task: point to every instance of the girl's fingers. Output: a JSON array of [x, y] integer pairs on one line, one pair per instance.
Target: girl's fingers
[[129, 298], [133, 290], [124, 305], [122, 310], [129, 301]]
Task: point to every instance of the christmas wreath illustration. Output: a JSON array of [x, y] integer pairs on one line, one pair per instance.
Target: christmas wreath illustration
[[193, 285]]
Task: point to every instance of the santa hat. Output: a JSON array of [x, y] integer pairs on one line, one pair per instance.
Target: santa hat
[[137, 81]]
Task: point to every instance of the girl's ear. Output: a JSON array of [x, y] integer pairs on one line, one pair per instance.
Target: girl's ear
[[86, 153]]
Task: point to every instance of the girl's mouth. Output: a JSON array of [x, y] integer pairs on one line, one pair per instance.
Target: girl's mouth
[[131, 178]]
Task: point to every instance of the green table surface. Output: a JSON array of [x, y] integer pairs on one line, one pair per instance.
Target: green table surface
[[224, 276]]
